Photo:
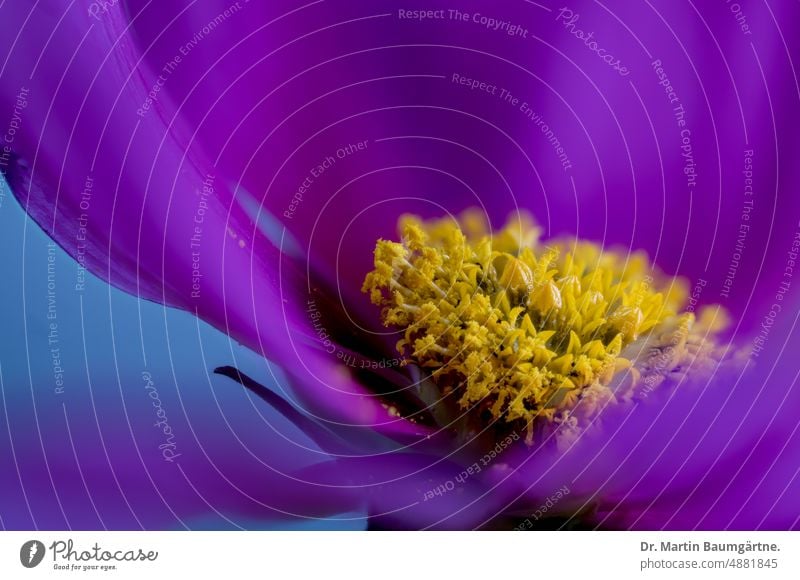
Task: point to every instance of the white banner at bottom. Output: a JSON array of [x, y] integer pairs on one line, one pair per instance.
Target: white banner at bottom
[[388, 555]]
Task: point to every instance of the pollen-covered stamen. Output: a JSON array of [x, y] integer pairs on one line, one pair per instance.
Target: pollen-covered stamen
[[531, 336]]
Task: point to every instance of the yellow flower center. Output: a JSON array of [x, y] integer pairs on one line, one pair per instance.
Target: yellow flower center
[[530, 336]]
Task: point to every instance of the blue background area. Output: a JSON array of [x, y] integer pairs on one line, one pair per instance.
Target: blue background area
[[106, 340]]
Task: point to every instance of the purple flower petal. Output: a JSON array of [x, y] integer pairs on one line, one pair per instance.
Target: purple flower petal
[[118, 192], [62, 472], [653, 158]]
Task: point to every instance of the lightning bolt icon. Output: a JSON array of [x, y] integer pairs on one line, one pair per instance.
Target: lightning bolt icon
[[34, 550]]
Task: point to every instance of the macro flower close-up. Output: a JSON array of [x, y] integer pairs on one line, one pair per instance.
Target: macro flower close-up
[[373, 265]]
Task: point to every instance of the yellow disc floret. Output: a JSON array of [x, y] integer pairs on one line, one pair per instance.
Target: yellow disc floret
[[534, 336]]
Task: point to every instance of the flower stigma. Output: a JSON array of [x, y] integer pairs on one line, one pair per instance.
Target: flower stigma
[[538, 337]]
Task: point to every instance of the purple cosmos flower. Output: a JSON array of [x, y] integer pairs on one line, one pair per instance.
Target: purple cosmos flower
[[240, 160]]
